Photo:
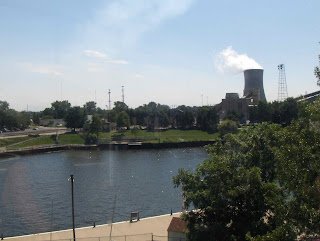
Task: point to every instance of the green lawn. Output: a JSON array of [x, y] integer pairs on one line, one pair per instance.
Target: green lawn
[[51, 140], [142, 135], [10, 141], [165, 136], [70, 139]]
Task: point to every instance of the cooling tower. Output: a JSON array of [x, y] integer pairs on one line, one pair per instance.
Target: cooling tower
[[253, 83]]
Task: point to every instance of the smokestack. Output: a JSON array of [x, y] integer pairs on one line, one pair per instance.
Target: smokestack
[[253, 83]]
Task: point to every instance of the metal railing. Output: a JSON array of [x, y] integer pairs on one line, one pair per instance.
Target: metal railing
[[133, 237]]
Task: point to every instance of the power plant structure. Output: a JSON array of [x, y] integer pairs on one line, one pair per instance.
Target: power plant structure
[[253, 83], [282, 84], [253, 92]]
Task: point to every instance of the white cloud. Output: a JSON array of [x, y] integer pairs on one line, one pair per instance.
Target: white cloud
[[42, 68], [118, 62], [138, 76], [93, 53], [94, 67], [122, 22], [229, 61]]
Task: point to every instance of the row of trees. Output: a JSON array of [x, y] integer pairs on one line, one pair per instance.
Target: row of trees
[[275, 112], [12, 119], [151, 115], [260, 184]]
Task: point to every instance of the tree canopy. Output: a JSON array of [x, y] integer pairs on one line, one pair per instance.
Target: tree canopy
[[74, 118], [260, 184]]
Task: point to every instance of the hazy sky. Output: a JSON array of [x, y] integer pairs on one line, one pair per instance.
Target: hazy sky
[[168, 51]]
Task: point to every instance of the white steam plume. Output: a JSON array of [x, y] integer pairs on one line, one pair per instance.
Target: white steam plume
[[229, 61]]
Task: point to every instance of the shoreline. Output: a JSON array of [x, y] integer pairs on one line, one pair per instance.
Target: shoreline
[[144, 228], [111, 146]]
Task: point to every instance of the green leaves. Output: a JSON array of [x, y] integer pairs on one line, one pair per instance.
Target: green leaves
[[260, 184]]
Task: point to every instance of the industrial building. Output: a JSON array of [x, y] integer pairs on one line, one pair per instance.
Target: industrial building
[[253, 92]]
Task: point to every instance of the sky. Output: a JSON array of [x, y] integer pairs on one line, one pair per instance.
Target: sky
[[173, 52]]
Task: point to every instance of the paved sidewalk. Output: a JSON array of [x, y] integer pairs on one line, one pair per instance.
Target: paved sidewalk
[[124, 231]]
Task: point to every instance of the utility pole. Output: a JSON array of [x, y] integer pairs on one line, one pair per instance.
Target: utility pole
[[71, 179], [122, 94], [109, 100]]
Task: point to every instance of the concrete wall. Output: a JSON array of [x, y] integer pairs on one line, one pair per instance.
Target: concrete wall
[[175, 236]]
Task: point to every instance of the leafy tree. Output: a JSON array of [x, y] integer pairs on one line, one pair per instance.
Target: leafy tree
[[276, 112], [317, 73], [47, 112], [4, 105], [207, 119], [260, 184], [47, 117], [95, 125], [90, 107], [94, 129], [119, 107], [60, 108], [123, 120], [227, 126], [74, 118], [111, 114], [36, 118]]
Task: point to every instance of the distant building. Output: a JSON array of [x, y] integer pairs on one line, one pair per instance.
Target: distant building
[[52, 122], [239, 106], [253, 92], [106, 126], [109, 126]]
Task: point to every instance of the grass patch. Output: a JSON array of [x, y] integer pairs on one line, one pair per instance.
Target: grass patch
[[164, 136], [70, 139], [46, 140], [10, 141], [51, 140], [142, 135]]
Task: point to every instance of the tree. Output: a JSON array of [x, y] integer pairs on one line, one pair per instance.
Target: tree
[[317, 72], [60, 108], [95, 125], [36, 118], [94, 129], [260, 184], [227, 126], [119, 107], [74, 118], [123, 120], [90, 107], [207, 118], [4, 105]]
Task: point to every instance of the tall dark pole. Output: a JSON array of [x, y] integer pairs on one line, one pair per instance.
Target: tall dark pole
[[72, 180]]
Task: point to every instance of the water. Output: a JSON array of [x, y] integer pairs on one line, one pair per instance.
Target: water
[[141, 179]]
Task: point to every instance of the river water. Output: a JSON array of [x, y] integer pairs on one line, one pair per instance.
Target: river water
[[141, 180]]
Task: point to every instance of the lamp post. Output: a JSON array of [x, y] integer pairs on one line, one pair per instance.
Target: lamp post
[[71, 179]]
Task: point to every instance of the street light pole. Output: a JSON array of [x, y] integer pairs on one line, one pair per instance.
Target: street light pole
[[71, 179]]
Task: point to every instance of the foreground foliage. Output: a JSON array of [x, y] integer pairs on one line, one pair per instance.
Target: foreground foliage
[[260, 184]]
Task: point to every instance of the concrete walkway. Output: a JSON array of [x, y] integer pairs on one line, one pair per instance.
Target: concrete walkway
[[143, 230]]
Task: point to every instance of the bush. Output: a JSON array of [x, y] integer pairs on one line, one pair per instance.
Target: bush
[[227, 126]]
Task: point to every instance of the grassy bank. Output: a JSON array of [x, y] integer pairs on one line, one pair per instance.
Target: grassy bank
[[161, 136], [166, 136], [51, 140], [9, 141]]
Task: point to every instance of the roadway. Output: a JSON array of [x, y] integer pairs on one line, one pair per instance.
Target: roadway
[[40, 131]]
